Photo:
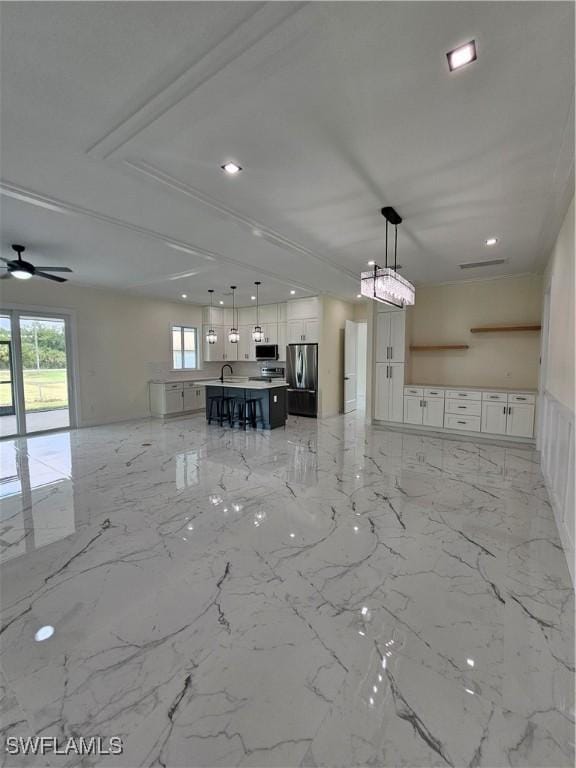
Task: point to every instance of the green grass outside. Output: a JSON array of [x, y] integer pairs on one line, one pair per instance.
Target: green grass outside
[[43, 389]]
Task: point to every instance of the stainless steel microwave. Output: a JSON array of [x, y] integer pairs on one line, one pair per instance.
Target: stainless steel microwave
[[266, 351]]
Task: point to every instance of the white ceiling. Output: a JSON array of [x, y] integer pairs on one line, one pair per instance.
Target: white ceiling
[[119, 115]]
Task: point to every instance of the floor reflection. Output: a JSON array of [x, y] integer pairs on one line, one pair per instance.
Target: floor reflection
[[36, 494]]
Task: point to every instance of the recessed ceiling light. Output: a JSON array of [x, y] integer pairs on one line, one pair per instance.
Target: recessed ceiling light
[[184, 295], [292, 293], [490, 241], [358, 295], [257, 232], [371, 263], [462, 55], [44, 633], [231, 168], [253, 298], [221, 302]]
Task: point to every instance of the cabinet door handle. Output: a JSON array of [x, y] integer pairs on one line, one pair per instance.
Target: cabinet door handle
[[504, 410], [463, 407], [520, 398], [510, 411], [461, 422]]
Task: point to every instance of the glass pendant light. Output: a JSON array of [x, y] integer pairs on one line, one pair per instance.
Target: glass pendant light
[[385, 284], [257, 334], [233, 335], [211, 336]]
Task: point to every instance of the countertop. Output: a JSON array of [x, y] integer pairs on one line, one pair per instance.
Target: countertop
[[244, 384], [519, 390], [181, 380]]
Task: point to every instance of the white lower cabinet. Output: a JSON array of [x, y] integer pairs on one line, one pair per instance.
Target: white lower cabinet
[[173, 400], [413, 410], [494, 417], [520, 420], [194, 397], [494, 413], [389, 405], [167, 398], [421, 410], [433, 412]]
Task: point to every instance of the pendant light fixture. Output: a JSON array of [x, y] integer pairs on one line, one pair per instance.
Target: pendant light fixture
[[233, 335], [211, 336], [257, 334], [385, 284]]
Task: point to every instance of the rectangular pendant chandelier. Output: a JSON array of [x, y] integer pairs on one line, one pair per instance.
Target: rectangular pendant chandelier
[[387, 286]]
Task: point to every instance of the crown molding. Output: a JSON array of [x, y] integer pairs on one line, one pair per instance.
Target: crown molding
[[256, 228], [261, 22], [62, 207]]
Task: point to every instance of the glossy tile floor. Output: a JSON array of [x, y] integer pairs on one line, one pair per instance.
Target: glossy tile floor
[[324, 595]]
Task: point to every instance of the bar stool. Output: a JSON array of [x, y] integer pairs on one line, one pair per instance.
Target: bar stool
[[238, 412], [254, 412], [215, 404]]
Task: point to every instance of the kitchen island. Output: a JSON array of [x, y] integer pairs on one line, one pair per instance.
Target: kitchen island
[[267, 399]]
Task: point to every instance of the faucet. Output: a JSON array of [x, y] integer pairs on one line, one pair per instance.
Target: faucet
[[226, 365]]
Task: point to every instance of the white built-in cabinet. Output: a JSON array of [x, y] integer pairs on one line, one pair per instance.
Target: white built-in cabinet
[[424, 408], [286, 323], [471, 410], [388, 405], [303, 321], [390, 336], [173, 397], [390, 333]]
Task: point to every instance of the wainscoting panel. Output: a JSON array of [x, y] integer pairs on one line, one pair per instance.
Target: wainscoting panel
[[556, 443]]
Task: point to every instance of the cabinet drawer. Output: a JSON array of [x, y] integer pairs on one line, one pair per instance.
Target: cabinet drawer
[[174, 385], [418, 391], [467, 423], [433, 392], [472, 408], [497, 397], [463, 394], [189, 384], [526, 399]]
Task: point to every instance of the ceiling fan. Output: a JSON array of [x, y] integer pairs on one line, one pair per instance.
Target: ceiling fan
[[24, 270]]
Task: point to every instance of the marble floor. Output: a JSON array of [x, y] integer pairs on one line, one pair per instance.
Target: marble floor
[[325, 595]]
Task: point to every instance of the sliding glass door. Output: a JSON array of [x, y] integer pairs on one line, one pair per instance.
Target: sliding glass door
[[35, 393]]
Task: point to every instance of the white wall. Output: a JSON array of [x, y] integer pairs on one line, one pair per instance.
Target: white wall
[[557, 423], [361, 360], [335, 312], [122, 343], [444, 314]]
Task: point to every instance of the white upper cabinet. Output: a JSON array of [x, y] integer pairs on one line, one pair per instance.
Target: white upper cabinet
[[246, 347], [390, 336], [303, 331], [214, 352], [282, 340], [268, 313], [282, 312], [247, 316], [301, 309]]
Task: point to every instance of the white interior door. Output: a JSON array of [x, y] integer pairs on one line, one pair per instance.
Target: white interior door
[[350, 365]]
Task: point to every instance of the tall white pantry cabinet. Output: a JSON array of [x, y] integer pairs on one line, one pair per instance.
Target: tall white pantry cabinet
[[389, 355]]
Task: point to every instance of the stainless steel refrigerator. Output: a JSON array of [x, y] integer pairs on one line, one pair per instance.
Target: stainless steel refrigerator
[[302, 378]]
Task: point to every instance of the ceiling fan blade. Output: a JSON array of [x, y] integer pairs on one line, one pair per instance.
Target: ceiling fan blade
[[56, 269], [39, 273], [5, 260]]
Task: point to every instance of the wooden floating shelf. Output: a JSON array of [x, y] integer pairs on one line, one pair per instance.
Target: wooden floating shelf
[[433, 347], [504, 328]]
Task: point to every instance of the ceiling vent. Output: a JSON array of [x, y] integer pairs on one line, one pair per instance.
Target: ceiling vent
[[477, 264]]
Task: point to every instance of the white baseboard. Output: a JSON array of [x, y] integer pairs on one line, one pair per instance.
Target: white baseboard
[[556, 444], [457, 433]]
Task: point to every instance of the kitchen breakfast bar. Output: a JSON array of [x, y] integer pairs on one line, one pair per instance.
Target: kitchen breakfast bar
[[256, 404]]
